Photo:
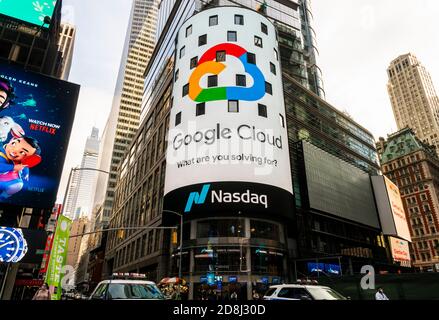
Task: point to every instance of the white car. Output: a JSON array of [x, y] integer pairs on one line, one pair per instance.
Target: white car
[[126, 290], [302, 292]]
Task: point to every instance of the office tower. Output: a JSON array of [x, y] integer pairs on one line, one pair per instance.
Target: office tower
[[124, 116], [72, 192], [414, 99], [79, 202], [66, 45], [227, 223], [414, 167]]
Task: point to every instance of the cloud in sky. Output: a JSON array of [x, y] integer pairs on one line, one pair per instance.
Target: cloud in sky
[[358, 39]]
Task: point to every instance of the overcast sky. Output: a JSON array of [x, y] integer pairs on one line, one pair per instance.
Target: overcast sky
[[356, 39]]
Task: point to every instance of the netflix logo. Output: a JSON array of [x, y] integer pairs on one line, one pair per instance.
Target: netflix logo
[[37, 125]]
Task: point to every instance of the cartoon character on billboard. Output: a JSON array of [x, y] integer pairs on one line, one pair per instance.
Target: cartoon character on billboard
[[16, 157], [7, 94]]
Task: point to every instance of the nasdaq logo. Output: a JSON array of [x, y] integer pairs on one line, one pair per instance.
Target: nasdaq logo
[[197, 198]]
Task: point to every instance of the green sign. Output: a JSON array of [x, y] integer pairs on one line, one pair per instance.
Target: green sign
[[30, 11], [58, 256]]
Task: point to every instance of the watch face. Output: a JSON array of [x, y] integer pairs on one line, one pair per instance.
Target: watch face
[[13, 246]]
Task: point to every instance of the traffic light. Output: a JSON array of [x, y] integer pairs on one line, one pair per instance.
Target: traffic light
[[174, 237]]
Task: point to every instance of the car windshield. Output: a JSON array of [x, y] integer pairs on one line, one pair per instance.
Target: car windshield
[[320, 293], [135, 291]]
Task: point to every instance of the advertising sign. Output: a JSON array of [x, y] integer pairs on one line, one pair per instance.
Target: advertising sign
[[400, 249], [13, 245], [390, 207], [228, 143], [30, 11], [36, 117], [338, 187], [58, 256]]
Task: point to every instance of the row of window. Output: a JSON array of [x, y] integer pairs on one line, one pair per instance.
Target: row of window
[[232, 36], [239, 20], [232, 107]]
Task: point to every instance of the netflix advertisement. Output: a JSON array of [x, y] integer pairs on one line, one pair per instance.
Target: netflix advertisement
[[36, 118]]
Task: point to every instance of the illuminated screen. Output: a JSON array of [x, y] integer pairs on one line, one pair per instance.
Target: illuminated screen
[[30, 11], [36, 117]]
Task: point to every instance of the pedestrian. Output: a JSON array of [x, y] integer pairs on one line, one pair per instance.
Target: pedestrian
[[380, 295], [255, 295], [234, 296], [43, 293]]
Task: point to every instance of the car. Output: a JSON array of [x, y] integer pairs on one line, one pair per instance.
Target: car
[[126, 290], [302, 292]]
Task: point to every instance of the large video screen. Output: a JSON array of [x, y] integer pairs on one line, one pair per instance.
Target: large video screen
[[36, 117], [30, 11], [339, 188]]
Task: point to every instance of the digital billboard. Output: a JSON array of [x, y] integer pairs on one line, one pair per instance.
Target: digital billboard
[[36, 117], [30, 11], [400, 250], [228, 142], [339, 188], [390, 207]]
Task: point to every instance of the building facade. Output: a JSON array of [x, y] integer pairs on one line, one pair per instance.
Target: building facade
[[414, 99], [66, 45], [79, 200], [414, 167], [241, 247], [123, 120], [32, 47]]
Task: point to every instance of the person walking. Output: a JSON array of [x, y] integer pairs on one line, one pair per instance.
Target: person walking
[[234, 296], [43, 293], [255, 295], [380, 295]]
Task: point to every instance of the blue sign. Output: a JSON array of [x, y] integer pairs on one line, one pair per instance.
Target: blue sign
[[13, 245], [264, 280], [203, 279], [333, 269], [233, 279], [210, 279], [316, 267]]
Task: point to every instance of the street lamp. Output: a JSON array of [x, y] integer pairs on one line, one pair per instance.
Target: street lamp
[[181, 247]]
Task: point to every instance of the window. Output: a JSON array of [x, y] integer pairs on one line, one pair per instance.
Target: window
[[212, 81], [251, 58], [220, 56], [188, 31], [177, 119], [231, 36], [282, 120], [268, 88], [182, 52], [258, 41], [240, 80], [213, 21], [239, 20], [233, 106], [202, 40], [272, 68], [295, 293], [194, 62], [185, 89], [176, 74], [262, 110], [201, 109], [264, 28]]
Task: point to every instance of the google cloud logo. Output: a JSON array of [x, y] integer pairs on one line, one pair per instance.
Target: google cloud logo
[[208, 65]]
